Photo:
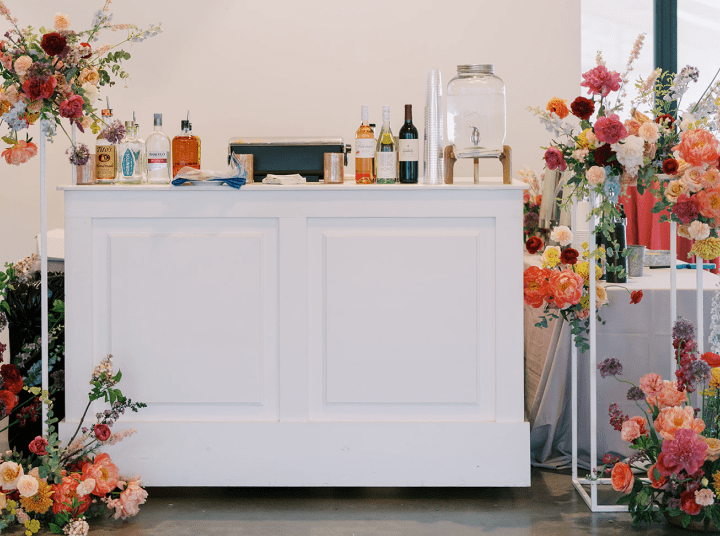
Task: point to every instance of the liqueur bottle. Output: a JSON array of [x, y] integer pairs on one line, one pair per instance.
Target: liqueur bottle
[[185, 148], [105, 154], [130, 150], [408, 149], [386, 152], [364, 150], [158, 154]]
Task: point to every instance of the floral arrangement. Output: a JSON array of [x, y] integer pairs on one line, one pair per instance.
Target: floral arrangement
[[53, 74], [63, 486], [532, 198], [677, 452], [606, 153]]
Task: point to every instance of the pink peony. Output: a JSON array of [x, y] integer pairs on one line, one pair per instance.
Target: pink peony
[[698, 147], [600, 81], [565, 288], [554, 159], [104, 472], [685, 452], [651, 384], [633, 428], [72, 107], [609, 129], [130, 499]]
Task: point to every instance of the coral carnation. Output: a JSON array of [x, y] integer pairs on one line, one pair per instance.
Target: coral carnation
[[600, 81], [609, 129]]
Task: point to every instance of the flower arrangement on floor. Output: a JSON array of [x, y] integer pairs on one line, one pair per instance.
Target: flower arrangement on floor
[[63, 486], [677, 453], [56, 73], [532, 198]]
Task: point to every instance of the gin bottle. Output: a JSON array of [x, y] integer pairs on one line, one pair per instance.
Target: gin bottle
[[130, 151], [158, 154]]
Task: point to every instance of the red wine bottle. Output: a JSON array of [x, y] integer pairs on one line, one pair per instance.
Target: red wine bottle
[[408, 149]]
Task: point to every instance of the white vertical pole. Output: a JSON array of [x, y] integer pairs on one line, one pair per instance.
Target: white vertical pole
[[699, 294], [673, 289], [573, 360], [593, 358], [43, 279]]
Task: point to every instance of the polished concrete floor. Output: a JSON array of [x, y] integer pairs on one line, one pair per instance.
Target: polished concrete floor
[[550, 506]]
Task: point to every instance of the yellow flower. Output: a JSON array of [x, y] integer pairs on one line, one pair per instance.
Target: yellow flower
[[551, 256], [32, 526], [716, 481], [583, 142], [583, 268], [41, 501], [708, 248], [715, 377]]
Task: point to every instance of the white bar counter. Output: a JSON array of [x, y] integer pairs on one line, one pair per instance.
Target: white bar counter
[[305, 335]]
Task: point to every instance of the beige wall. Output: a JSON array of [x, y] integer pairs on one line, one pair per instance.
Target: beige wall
[[285, 67]]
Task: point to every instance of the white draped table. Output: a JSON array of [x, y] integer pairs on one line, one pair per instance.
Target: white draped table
[[639, 335]]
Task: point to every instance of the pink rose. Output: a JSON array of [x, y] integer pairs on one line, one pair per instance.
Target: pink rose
[[595, 175], [609, 129], [37, 446], [554, 159], [72, 107], [633, 428], [102, 432]]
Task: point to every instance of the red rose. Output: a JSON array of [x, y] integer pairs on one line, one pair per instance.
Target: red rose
[[667, 118], [72, 107], [37, 446], [86, 50], [688, 504], [711, 359], [8, 399], [102, 432], [582, 108], [534, 244], [53, 43], [603, 154], [670, 166], [569, 256], [636, 296], [11, 377], [39, 87]]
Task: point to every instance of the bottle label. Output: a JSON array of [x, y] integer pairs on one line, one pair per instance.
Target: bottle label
[[128, 163], [364, 148], [157, 160], [387, 165], [105, 162], [409, 150]]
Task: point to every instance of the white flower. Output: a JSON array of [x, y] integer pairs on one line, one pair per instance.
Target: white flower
[[687, 121], [630, 153], [698, 230], [562, 235], [91, 92], [85, 487], [649, 132], [27, 486], [704, 497]]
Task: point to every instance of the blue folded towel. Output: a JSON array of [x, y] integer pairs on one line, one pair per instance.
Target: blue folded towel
[[235, 180]]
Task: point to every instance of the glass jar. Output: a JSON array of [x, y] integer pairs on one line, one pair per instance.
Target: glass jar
[[476, 112]]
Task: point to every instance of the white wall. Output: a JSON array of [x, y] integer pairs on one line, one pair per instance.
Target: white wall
[[303, 68]]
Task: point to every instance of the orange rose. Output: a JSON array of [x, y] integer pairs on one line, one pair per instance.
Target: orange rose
[[657, 483], [674, 418], [558, 106], [622, 478]]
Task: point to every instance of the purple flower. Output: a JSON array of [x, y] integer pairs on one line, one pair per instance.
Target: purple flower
[[635, 394], [617, 417], [683, 330], [114, 132], [79, 154], [531, 220], [610, 367]]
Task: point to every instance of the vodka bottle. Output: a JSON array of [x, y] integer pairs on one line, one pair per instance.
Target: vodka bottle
[[158, 154]]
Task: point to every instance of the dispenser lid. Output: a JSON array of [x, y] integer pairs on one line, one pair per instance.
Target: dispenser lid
[[480, 68]]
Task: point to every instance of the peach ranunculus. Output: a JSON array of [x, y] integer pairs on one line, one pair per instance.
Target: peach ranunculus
[[633, 428], [632, 126], [558, 106], [713, 451], [649, 132], [565, 288], [708, 202], [698, 147], [22, 64], [536, 286], [64, 493], [669, 397], [61, 22], [104, 472], [89, 75], [622, 478], [10, 473], [674, 189], [651, 384], [601, 297], [595, 175], [20, 153], [130, 499], [27, 486], [672, 419]]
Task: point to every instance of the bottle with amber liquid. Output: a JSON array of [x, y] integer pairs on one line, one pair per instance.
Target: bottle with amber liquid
[[185, 148], [364, 150], [105, 154]]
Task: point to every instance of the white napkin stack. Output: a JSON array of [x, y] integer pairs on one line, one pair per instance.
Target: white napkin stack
[[284, 179]]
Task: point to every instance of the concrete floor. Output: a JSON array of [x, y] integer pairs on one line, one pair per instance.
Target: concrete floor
[[549, 507]]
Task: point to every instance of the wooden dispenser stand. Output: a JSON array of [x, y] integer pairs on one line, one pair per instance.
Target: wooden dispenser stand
[[505, 159]]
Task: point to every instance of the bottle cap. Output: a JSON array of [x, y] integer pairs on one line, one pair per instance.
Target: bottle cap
[[185, 125], [157, 120], [386, 112], [364, 113], [105, 112], [129, 126]]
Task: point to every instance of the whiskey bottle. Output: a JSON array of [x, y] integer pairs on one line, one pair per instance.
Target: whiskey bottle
[[158, 154], [185, 148], [105, 154], [364, 150]]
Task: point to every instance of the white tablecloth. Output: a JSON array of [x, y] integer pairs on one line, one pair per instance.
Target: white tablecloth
[[638, 335]]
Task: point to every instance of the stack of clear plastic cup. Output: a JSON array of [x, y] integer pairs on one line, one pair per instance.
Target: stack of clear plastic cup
[[433, 168]]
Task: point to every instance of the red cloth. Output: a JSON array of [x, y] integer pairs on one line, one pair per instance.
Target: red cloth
[[644, 227]]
